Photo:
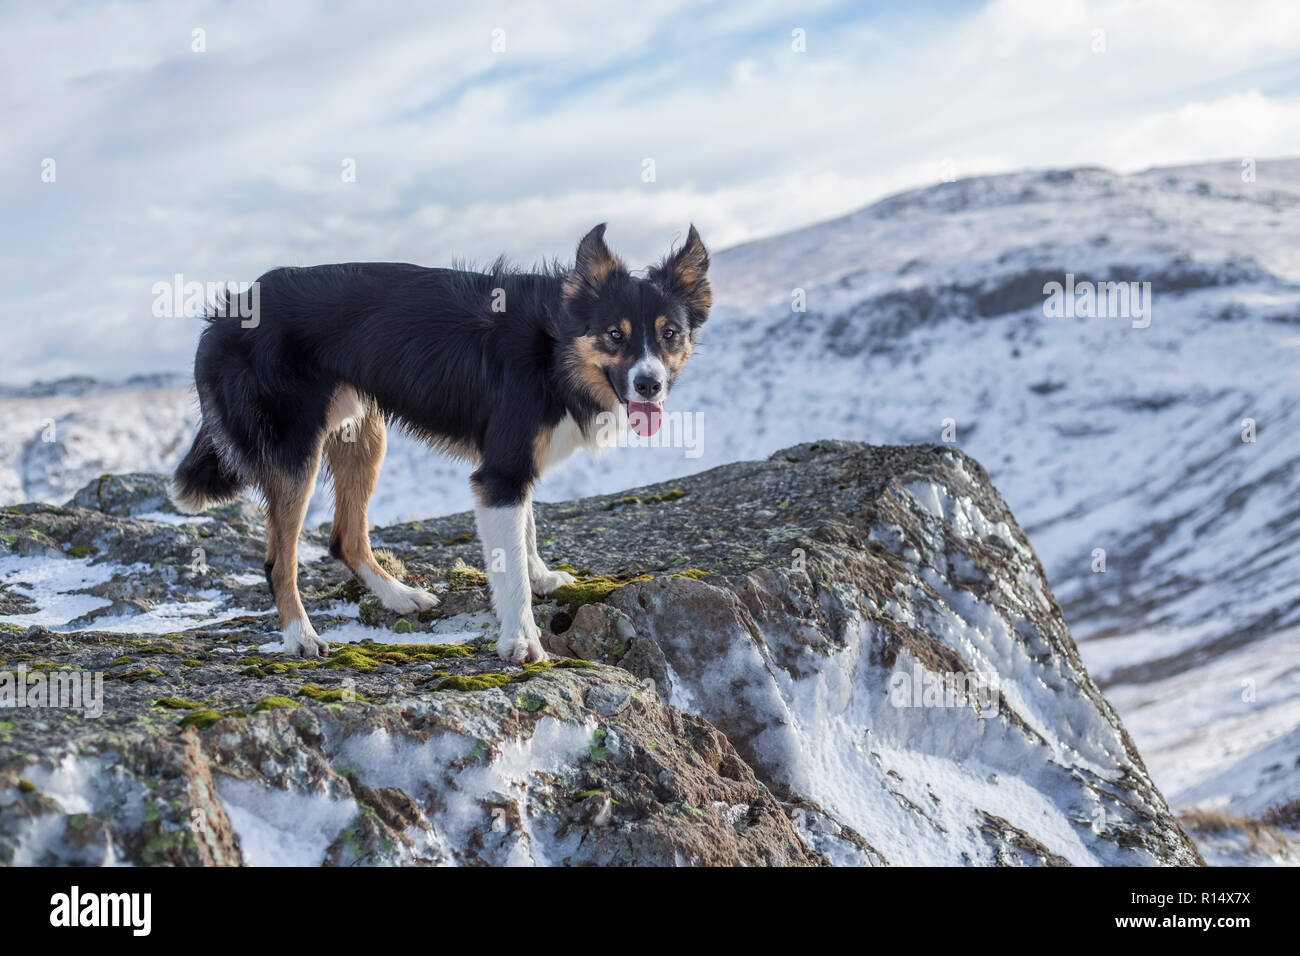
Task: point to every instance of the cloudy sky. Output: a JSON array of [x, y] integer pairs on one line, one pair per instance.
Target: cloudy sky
[[214, 139]]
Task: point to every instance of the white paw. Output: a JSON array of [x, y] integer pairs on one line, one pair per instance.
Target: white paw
[[397, 597], [409, 600], [301, 638], [548, 581], [521, 643]]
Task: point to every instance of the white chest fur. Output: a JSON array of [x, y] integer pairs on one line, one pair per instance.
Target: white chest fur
[[567, 439]]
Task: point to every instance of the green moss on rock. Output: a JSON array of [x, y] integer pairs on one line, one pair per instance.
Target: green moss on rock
[[370, 612], [462, 576], [321, 695], [148, 673], [203, 717], [366, 657], [175, 703], [591, 590], [349, 592], [672, 495], [472, 682], [274, 703], [597, 748], [476, 681]]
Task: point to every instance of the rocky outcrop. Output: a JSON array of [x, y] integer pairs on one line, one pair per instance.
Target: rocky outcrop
[[844, 654]]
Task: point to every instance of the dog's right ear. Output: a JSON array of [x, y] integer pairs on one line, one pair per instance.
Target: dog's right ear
[[595, 264]]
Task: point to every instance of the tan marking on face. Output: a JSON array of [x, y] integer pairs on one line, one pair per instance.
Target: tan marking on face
[[674, 361], [585, 368]]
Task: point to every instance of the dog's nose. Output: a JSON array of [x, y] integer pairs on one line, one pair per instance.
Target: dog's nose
[[647, 387]]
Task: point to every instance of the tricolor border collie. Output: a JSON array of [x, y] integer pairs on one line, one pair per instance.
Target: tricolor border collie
[[507, 369]]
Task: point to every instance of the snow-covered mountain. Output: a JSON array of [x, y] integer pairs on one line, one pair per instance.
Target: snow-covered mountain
[[1117, 439]]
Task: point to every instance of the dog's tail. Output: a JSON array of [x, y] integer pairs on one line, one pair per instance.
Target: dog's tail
[[202, 479]]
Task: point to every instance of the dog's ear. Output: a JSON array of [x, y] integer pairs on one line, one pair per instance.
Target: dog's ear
[[684, 276], [594, 265]]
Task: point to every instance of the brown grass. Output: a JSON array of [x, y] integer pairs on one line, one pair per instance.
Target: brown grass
[[1262, 836], [1285, 815]]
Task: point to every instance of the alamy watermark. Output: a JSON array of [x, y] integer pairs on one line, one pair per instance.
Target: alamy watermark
[[1098, 300], [177, 299], [952, 689], [62, 690], [670, 429], [74, 908]]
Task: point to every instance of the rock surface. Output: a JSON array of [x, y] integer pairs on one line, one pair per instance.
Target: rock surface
[[762, 644]]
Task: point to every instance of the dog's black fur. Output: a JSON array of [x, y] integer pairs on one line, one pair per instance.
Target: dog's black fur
[[426, 346]]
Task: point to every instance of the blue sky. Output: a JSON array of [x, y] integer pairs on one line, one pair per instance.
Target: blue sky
[[222, 163]]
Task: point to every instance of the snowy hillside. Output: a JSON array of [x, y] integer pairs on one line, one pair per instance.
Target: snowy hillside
[[925, 312]]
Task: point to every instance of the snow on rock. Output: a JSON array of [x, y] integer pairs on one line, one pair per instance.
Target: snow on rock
[[744, 673], [820, 665]]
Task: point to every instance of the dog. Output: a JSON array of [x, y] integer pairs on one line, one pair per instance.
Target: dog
[[510, 370]]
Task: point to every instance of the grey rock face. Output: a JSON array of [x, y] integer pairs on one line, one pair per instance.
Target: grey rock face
[[845, 654]]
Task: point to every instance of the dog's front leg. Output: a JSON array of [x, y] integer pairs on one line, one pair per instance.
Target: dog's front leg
[[505, 552], [543, 580]]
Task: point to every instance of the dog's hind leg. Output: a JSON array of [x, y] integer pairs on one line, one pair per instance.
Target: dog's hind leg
[[272, 543], [286, 507], [355, 450]]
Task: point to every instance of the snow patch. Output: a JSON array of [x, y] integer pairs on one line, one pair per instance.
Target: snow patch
[[283, 827]]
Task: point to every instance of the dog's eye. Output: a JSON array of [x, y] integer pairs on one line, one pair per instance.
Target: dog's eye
[[669, 334], [615, 334]]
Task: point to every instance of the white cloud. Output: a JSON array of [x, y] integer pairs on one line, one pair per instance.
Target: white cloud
[[226, 163]]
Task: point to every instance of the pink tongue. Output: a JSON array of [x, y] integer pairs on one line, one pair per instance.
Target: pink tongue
[[645, 417]]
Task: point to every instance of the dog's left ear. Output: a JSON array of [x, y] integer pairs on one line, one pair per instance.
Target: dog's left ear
[[684, 276]]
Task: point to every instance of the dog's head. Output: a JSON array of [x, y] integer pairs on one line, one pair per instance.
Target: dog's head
[[632, 335]]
